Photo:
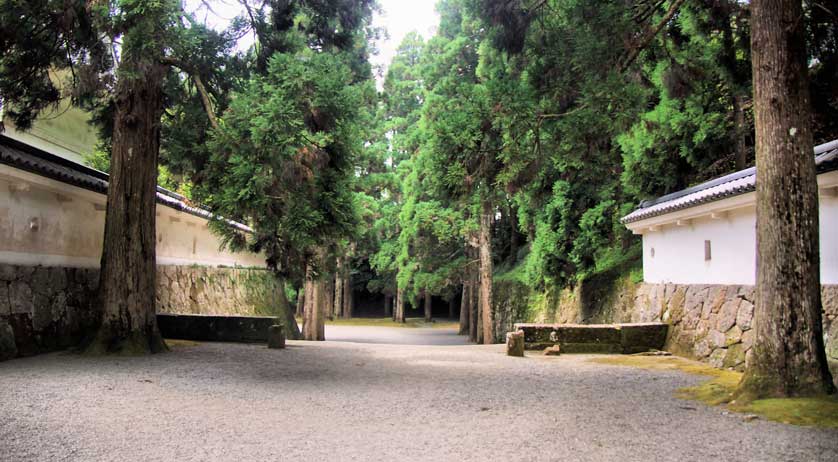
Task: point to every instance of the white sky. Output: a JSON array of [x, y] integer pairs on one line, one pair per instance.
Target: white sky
[[398, 17]]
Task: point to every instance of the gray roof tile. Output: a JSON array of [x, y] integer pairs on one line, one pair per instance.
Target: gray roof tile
[[734, 184], [24, 157]]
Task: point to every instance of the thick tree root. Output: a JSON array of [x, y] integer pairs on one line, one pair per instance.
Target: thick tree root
[[133, 343]]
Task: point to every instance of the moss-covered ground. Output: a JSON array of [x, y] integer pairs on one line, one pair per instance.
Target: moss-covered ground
[[387, 322], [174, 344], [817, 411]]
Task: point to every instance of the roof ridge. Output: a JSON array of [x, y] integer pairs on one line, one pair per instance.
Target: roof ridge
[[826, 157], [29, 158]]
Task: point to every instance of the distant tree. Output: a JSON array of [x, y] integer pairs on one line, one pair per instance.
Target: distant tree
[[788, 353], [281, 155]]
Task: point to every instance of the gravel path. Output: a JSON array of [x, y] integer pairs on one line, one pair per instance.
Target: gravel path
[[350, 401], [395, 335]]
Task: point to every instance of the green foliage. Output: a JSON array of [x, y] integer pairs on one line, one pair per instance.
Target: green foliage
[[100, 159], [282, 159], [530, 108]]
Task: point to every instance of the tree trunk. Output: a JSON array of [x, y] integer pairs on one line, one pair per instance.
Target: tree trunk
[[337, 309], [127, 279], [474, 289], [451, 308], [740, 132], [292, 331], [314, 312], [735, 81], [513, 235], [478, 334], [485, 240], [788, 356], [465, 308], [348, 296], [388, 305], [399, 311], [301, 300], [329, 302], [429, 316]]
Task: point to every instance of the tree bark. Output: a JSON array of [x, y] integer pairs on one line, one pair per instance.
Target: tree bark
[[329, 303], [301, 300], [429, 317], [478, 334], [788, 356], [315, 308], [292, 330], [465, 308], [513, 235], [127, 279], [474, 289], [399, 311], [451, 308], [485, 240], [348, 297], [337, 309], [740, 132]]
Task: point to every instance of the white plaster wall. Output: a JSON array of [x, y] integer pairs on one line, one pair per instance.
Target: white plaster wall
[[679, 250], [46, 222], [829, 239]]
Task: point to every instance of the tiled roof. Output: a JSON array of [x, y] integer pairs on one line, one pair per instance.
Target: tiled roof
[[734, 184], [24, 157]]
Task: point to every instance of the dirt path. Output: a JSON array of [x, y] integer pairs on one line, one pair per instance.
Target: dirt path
[[351, 401]]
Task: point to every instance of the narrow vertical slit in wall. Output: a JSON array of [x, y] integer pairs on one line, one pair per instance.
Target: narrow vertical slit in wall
[[707, 251]]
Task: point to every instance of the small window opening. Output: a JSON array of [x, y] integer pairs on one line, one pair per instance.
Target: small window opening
[[652, 253], [708, 255]]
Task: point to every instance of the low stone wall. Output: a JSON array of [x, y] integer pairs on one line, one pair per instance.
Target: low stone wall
[[595, 338], [209, 328], [49, 308], [711, 323], [714, 323], [45, 309], [207, 290]]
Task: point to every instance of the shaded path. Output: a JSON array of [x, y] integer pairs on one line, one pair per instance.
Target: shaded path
[[351, 401], [395, 335]]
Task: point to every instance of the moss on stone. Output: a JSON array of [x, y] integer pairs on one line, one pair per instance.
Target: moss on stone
[[135, 343]]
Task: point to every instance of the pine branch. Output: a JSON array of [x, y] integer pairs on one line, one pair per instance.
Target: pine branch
[[634, 52]]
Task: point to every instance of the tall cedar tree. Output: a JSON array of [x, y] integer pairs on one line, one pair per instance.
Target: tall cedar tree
[[282, 158], [789, 357], [126, 82]]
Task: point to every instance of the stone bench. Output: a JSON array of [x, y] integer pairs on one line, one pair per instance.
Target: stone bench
[[595, 338], [210, 328]]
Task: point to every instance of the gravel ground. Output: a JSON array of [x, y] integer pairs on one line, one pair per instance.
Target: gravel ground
[[395, 336], [353, 401]]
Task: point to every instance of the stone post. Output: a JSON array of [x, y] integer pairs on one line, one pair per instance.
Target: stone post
[[515, 343], [276, 336]]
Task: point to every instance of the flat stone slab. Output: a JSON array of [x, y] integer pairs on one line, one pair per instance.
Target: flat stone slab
[[209, 328], [595, 338]]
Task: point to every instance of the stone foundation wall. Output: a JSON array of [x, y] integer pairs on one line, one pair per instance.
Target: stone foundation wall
[[49, 308], [714, 323], [207, 290], [711, 323], [45, 308]]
